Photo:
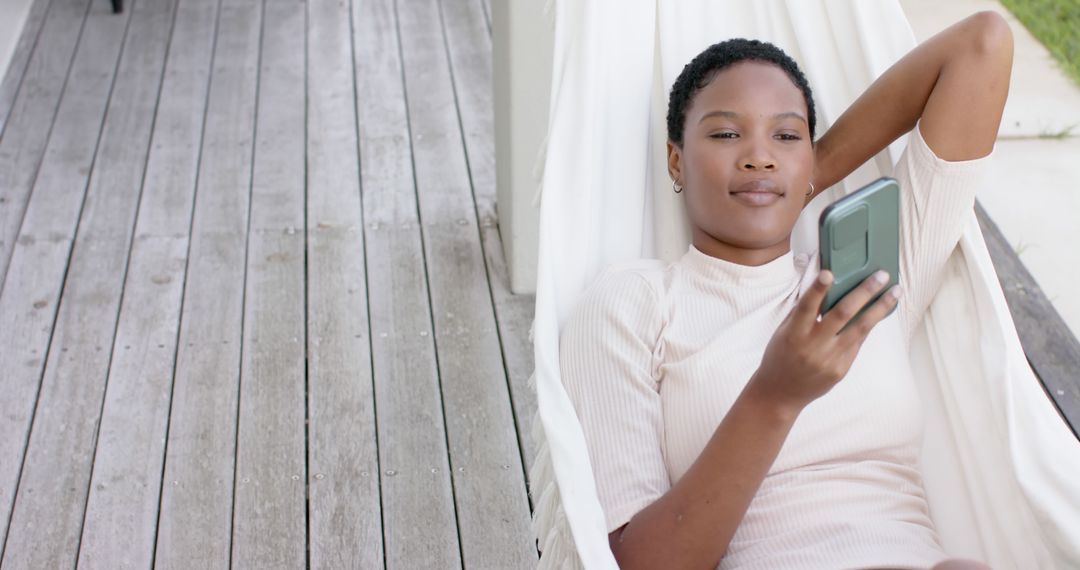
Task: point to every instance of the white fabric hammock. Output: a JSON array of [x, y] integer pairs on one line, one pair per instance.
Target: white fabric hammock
[[1002, 470]]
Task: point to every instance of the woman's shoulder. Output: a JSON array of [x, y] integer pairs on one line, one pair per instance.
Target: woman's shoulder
[[628, 289], [626, 300], [634, 277]]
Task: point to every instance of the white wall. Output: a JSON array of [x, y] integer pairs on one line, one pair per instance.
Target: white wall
[[523, 43], [12, 17]]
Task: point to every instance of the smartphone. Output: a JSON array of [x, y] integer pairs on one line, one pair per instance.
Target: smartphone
[[858, 235]]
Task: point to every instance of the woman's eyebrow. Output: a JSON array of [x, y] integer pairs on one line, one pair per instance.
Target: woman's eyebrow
[[711, 114], [734, 115], [790, 114]]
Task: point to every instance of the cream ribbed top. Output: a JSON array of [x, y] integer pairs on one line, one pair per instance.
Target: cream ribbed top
[[654, 355]]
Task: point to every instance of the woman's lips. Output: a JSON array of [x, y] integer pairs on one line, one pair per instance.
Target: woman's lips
[[756, 198], [757, 193]]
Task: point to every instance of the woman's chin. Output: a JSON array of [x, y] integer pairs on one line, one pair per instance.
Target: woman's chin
[[751, 238]]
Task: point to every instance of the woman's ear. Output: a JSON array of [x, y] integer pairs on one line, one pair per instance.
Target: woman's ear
[[674, 162]]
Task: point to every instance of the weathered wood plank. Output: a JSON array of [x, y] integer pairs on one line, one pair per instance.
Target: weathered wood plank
[[32, 116], [345, 522], [1051, 349], [469, 46], [269, 524], [195, 522], [60, 455], [488, 478], [514, 314], [28, 307], [122, 509], [49, 506], [420, 526], [269, 528], [28, 38]]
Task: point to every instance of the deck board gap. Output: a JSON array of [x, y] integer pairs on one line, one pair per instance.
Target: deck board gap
[[427, 279]]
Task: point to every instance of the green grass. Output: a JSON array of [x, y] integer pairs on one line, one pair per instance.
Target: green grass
[[1056, 23], [1058, 134]]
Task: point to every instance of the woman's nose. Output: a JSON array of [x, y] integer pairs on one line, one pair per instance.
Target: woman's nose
[[757, 158]]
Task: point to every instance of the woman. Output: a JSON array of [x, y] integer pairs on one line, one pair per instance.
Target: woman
[[710, 390]]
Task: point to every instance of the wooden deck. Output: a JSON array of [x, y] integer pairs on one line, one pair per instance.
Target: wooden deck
[[253, 306], [254, 311]]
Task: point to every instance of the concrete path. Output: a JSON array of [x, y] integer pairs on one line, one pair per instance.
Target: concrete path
[[1033, 192]]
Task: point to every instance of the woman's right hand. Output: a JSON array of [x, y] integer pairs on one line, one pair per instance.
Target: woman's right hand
[[807, 356]]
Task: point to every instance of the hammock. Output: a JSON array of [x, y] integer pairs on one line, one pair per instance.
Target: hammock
[[1001, 469]]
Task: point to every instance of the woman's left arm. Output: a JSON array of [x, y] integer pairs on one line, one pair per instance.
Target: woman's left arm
[[956, 82]]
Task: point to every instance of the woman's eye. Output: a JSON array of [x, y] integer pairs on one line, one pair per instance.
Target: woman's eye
[[788, 137], [723, 135]]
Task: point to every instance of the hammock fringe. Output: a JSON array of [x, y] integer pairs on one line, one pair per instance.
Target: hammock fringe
[[550, 526]]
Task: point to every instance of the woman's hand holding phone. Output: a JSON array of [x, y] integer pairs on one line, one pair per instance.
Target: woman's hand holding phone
[[807, 356]]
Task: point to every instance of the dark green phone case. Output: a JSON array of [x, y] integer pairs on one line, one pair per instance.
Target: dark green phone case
[[859, 234]]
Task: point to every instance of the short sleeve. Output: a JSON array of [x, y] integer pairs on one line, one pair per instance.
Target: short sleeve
[[606, 352], [936, 200]]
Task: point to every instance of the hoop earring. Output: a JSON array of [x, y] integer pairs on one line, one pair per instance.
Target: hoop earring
[[675, 186], [811, 189]]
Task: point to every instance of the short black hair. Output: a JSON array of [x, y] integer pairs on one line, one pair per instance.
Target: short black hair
[[703, 68]]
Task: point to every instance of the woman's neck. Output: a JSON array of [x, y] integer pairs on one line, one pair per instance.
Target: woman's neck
[[713, 247]]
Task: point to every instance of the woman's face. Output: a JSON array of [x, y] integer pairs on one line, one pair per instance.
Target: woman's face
[[745, 131]]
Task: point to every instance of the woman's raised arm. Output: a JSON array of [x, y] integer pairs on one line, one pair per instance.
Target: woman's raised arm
[[956, 82]]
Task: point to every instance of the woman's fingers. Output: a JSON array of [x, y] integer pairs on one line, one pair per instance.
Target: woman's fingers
[[857, 332], [805, 312], [842, 313]]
